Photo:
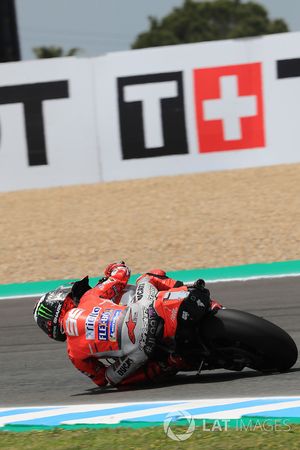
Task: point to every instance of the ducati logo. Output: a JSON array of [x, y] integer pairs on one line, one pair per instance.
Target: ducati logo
[[131, 324]]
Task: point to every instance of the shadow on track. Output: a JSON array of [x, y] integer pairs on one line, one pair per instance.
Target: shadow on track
[[183, 379]]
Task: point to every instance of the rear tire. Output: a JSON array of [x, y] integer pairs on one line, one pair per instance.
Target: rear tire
[[271, 349]]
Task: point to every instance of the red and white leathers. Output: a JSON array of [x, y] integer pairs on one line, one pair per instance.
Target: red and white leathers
[[101, 328]]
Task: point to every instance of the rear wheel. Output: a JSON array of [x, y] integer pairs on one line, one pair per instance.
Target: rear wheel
[[244, 339]]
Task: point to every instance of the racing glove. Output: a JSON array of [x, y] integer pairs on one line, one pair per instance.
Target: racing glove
[[113, 268]]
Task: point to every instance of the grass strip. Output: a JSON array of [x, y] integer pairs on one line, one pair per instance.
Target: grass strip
[[206, 436]]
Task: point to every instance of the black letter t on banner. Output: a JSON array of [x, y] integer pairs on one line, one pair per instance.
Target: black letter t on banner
[[32, 96]]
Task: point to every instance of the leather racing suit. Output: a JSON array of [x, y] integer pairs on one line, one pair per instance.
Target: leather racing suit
[[122, 337]]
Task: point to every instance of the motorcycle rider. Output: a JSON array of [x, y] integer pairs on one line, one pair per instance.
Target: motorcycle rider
[[97, 327]]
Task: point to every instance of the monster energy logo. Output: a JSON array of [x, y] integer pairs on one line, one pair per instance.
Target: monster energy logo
[[44, 312]]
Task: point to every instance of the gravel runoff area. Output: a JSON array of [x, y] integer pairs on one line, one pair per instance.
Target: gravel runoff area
[[176, 222]]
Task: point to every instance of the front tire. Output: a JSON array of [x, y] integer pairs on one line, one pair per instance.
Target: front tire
[[269, 348]]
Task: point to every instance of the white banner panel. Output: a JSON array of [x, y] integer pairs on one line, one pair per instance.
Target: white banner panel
[[48, 135], [160, 111], [199, 107]]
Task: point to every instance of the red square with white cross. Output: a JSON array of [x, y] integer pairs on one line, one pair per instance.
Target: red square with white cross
[[229, 108]]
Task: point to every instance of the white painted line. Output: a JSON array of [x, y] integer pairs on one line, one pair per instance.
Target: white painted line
[[21, 297], [57, 410], [237, 413], [116, 418], [254, 277], [150, 409]]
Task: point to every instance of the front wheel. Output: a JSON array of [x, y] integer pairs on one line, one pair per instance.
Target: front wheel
[[237, 334]]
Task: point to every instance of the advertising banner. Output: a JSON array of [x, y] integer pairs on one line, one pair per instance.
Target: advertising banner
[[47, 124], [199, 107], [161, 111]]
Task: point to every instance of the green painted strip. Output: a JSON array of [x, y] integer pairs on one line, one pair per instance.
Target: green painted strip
[[222, 273], [32, 288], [242, 424], [245, 271]]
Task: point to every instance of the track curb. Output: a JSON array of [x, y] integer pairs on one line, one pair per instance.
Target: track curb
[[213, 275], [241, 414]]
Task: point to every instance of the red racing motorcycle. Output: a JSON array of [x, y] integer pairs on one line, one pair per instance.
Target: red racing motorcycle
[[224, 339]]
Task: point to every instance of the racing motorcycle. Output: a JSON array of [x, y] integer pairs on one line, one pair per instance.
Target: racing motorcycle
[[225, 339]]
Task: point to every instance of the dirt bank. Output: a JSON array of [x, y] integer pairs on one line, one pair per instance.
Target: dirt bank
[[200, 220]]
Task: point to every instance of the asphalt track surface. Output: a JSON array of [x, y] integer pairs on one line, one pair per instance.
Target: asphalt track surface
[[36, 371]]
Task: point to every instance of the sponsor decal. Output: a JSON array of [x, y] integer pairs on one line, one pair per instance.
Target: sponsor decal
[[145, 319], [152, 118], [151, 312], [229, 107], [150, 338], [131, 324], [146, 291], [71, 322], [152, 293], [139, 292], [174, 314], [142, 341], [104, 324], [124, 367], [55, 319], [90, 323], [113, 326]]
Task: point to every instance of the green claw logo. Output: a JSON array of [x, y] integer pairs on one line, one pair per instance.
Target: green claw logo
[[44, 312]]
